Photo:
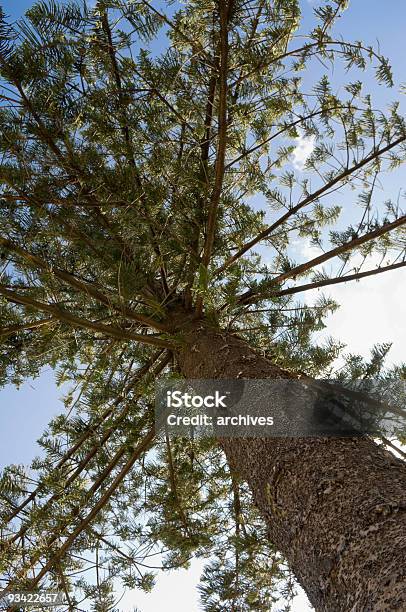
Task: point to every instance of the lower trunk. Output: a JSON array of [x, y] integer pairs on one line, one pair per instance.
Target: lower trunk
[[335, 507]]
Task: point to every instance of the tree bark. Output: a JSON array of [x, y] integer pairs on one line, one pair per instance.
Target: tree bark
[[335, 507]]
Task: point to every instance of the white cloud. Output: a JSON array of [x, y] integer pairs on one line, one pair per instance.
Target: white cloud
[[371, 309], [164, 595], [303, 149], [305, 249]]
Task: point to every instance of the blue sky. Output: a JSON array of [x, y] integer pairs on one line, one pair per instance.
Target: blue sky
[[371, 311]]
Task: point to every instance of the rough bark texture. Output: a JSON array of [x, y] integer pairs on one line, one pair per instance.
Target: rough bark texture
[[335, 507]]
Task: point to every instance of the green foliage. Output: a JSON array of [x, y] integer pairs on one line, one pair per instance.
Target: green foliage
[[110, 140]]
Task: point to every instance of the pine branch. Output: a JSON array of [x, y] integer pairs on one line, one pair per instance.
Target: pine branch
[[282, 131], [127, 138], [154, 90], [196, 47], [14, 329], [66, 317], [174, 488], [250, 295], [340, 279], [205, 143], [91, 429], [137, 452], [310, 198], [81, 286], [67, 162], [84, 463], [117, 77], [69, 228], [224, 9], [305, 48], [204, 159]]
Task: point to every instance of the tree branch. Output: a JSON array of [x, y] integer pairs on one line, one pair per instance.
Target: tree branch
[[84, 287], [92, 427], [174, 488], [14, 329], [225, 8], [340, 279], [281, 131], [94, 450], [248, 296], [197, 48], [304, 48], [137, 452], [66, 317], [310, 198], [67, 162]]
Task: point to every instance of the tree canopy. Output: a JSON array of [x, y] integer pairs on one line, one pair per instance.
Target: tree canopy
[[146, 180]]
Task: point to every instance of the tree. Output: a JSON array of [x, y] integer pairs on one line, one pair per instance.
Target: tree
[[141, 145]]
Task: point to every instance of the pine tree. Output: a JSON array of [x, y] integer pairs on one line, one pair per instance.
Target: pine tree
[[148, 214]]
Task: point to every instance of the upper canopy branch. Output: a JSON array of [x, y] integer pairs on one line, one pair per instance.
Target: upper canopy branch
[[376, 153], [314, 47], [338, 279], [195, 46], [252, 294], [224, 10], [286, 128]]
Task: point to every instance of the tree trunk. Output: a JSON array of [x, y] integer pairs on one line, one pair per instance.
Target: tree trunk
[[335, 507]]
